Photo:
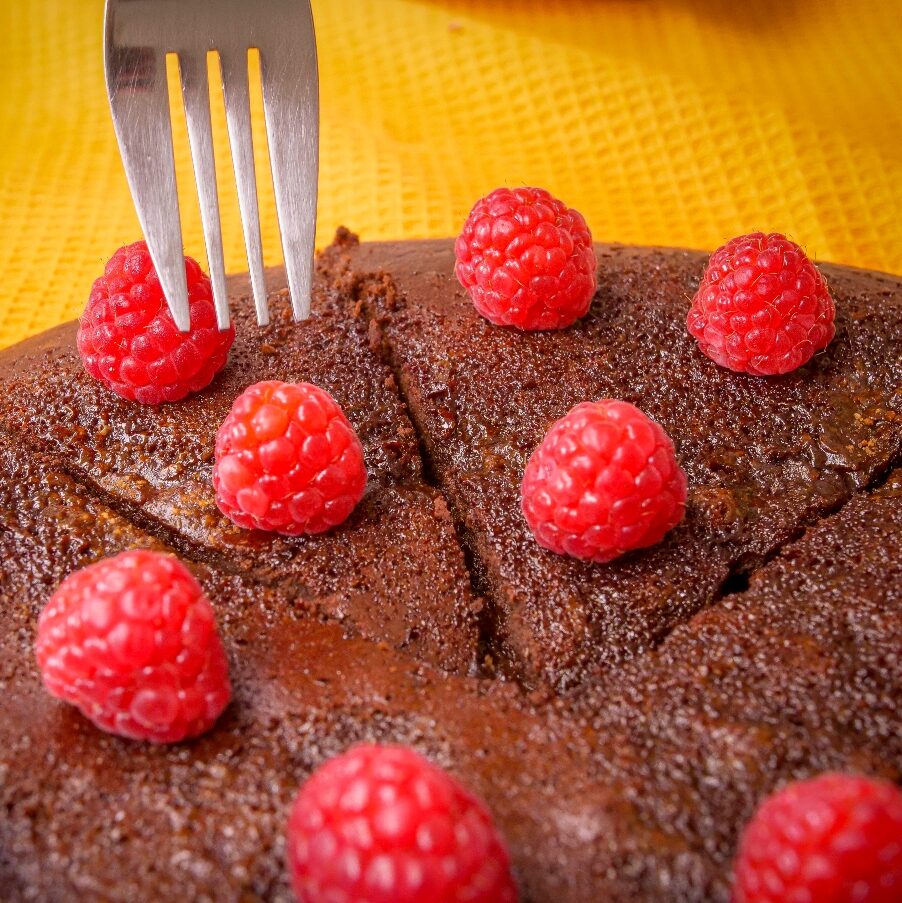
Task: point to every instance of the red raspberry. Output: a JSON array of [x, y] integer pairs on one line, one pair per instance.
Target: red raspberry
[[380, 824], [603, 481], [833, 839], [132, 642], [526, 260], [762, 307], [287, 460], [128, 339]]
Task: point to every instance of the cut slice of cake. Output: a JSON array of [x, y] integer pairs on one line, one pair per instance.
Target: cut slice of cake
[[764, 456], [799, 675], [393, 572]]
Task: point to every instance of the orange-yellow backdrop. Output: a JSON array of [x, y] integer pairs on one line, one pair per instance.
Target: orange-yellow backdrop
[[665, 121]]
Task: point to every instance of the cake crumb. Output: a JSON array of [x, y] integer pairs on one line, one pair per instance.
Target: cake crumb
[[375, 337], [440, 507]]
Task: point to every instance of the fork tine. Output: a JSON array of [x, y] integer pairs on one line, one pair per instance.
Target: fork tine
[[238, 115], [139, 97], [196, 91], [291, 107]]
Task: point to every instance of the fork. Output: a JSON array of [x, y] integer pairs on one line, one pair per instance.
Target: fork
[[138, 36]]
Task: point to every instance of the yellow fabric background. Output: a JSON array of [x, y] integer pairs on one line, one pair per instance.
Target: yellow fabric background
[[665, 121]]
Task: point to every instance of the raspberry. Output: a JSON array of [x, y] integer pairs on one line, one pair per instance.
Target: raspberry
[[834, 839], [380, 824], [762, 307], [128, 339], [287, 460], [526, 260], [132, 642], [603, 481]]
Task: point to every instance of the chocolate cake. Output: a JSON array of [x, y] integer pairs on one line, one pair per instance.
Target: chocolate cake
[[764, 457], [639, 710]]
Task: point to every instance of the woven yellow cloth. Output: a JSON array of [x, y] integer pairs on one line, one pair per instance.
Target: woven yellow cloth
[[664, 121]]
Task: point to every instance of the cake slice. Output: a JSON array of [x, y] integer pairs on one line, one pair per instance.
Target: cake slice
[[764, 456], [393, 572], [799, 675]]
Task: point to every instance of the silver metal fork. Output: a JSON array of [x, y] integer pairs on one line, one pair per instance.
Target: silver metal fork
[[138, 36]]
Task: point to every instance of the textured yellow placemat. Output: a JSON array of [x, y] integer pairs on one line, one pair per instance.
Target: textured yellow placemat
[[665, 121]]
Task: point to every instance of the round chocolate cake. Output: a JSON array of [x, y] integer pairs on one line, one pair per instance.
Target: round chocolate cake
[[622, 722]]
